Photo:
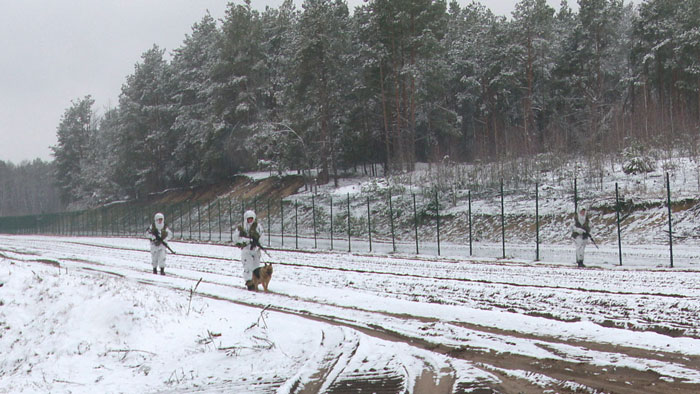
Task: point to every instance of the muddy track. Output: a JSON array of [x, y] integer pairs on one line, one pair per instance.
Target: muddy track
[[559, 373]]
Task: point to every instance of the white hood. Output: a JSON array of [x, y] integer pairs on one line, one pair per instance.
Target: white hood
[[246, 215], [160, 225], [581, 217]]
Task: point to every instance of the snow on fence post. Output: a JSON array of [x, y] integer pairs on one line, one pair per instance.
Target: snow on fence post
[[415, 221], [391, 220], [503, 223], [349, 243], [313, 214], [537, 222], [369, 225], [670, 227], [617, 213], [469, 194], [437, 215]]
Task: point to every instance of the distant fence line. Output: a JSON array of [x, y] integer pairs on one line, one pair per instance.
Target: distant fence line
[[334, 224]]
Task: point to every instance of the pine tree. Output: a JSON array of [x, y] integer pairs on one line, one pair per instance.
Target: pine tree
[[533, 23], [322, 84], [400, 37], [192, 67], [71, 154], [238, 94], [146, 114]]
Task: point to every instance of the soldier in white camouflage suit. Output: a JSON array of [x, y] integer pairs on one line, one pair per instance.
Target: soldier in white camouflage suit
[[247, 238], [581, 232], [158, 232]]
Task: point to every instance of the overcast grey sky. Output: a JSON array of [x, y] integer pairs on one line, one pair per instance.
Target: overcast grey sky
[[56, 51]]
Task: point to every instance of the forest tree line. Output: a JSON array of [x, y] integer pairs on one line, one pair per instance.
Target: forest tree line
[[319, 89], [28, 188]]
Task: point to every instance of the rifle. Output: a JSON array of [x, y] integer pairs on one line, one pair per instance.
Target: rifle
[[154, 232], [253, 243], [592, 240], [256, 242]]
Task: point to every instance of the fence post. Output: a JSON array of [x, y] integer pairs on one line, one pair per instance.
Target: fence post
[[182, 228], [470, 221], [415, 221], [331, 198], [670, 228], [575, 195], [282, 219], [369, 225], [269, 223], [218, 207], [209, 219], [391, 220], [537, 221], [349, 244], [437, 214], [313, 214], [199, 221], [296, 223], [230, 219], [617, 212], [189, 219], [503, 223]]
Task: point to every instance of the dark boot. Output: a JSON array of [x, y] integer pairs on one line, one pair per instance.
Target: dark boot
[[155, 270], [162, 270], [580, 264]]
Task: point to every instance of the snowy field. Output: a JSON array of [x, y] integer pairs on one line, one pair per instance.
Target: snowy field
[[86, 315]]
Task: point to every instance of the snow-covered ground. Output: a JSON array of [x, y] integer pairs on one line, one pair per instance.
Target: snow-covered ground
[[86, 315]]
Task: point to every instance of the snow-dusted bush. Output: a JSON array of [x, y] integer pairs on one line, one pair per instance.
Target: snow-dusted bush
[[637, 160]]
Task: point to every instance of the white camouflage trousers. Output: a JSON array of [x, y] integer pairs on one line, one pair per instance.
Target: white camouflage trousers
[[580, 248], [158, 256]]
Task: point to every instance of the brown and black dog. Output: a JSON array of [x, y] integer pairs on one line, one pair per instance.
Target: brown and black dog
[[261, 276]]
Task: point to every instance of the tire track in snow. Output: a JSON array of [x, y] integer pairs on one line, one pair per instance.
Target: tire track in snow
[[481, 356]]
